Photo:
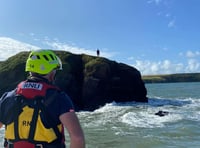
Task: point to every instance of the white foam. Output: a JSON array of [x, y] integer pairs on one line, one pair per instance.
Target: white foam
[[148, 119], [143, 114]]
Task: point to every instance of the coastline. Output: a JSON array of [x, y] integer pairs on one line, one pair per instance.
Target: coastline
[[171, 78]]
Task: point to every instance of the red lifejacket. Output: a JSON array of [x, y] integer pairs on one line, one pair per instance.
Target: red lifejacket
[[32, 89], [30, 122]]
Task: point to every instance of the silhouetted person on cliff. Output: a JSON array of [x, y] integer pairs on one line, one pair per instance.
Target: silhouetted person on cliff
[[98, 52]]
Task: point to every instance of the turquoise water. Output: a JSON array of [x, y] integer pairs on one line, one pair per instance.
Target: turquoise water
[[134, 125]]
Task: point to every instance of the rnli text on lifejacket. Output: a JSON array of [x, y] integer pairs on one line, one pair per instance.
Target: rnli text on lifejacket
[[32, 85], [26, 123]]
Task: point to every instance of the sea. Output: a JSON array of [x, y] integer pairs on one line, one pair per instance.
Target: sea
[[135, 125]]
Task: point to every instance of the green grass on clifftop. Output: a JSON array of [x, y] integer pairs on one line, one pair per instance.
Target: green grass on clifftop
[[182, 77]]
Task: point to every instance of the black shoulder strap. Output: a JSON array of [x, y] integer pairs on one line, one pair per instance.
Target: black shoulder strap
[[33, 124], [47, 102], [18, 110], [21, 102], [38, 103]]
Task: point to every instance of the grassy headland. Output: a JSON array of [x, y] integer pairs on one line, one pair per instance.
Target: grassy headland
[[169, 78]]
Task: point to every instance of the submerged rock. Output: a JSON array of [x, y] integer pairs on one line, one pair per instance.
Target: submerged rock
[[162, 113]]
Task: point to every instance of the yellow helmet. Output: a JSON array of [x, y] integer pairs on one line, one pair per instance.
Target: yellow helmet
[[42, 62]]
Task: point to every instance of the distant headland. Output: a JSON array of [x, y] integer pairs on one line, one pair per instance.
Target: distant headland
[[170, 78]]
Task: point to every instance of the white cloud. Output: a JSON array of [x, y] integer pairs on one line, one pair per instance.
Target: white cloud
[[168, 15], [181, 54], [193, 65], [165, 49], [166, 64], [171, 23], [154, 1], [190, 54], [10, 47], [167, 67], [131, 58], [160, 67], [76, 50], [164, 11]]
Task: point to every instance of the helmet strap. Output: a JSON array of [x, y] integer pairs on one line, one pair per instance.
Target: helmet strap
[[52, 76]]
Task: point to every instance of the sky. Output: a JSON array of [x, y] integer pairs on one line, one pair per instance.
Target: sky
[[154, 36]]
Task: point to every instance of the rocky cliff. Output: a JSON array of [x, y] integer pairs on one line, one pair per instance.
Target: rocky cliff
[[90, 81]]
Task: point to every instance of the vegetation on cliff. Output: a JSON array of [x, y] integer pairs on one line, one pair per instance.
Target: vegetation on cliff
[[169, 78], [90, 81]]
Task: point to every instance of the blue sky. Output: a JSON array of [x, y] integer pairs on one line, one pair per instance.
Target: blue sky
[[155, 36]]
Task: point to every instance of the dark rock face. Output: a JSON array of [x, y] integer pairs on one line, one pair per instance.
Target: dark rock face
[[92, 82], [96, 81]]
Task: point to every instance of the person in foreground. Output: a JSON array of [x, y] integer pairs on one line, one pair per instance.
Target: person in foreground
[[36, 112]]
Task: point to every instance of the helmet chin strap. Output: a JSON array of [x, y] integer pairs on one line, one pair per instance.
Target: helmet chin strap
[[52, 76]]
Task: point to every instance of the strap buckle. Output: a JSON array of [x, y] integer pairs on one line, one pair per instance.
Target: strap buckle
[[39, 146]]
